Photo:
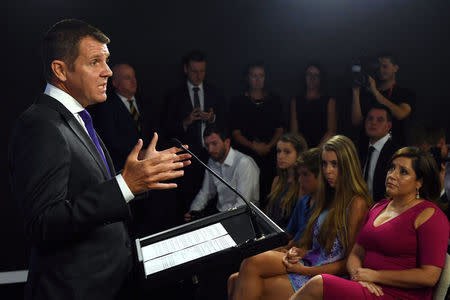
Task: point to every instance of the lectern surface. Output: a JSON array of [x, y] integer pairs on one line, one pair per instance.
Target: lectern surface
[[205, 244]]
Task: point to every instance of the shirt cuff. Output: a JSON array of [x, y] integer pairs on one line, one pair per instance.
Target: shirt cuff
[[126, 192]]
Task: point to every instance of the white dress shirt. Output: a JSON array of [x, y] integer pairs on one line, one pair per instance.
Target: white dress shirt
[[240, 171], [201, 97], [378, 145], [75, 107], [127, 104]]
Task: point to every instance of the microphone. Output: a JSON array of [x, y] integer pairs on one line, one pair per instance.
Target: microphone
[[255, 227]]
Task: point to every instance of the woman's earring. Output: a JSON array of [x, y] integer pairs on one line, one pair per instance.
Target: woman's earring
[[417, 194]]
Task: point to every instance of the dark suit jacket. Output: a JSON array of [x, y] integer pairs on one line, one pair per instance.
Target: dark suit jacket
[[379, 177], [72, 210], [117, 128], [178, 106]]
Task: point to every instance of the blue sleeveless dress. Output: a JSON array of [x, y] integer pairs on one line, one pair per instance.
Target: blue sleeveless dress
[[317, 255]]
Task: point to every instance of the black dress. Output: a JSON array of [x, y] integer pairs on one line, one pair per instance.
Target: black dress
[[258, 121], [312, 118]]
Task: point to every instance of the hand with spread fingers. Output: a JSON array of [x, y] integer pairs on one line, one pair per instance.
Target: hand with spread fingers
[[149, 169], [151, 151]]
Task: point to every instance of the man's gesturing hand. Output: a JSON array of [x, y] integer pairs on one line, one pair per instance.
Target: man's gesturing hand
[[152, 168]]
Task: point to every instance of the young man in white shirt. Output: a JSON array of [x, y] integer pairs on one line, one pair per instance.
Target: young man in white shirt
[[238, 169]]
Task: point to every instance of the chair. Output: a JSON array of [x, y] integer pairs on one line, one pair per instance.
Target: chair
[[441, 288]]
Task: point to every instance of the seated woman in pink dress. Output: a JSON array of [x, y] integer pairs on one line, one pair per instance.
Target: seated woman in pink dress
[[401, 248], [341, 203]]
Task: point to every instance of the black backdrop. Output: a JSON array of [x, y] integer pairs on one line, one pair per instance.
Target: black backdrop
[[153, 35]]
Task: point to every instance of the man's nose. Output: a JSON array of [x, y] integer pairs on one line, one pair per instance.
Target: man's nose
[[107, 71]]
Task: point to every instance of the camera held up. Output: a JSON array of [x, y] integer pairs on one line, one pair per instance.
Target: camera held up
[[362, 68]]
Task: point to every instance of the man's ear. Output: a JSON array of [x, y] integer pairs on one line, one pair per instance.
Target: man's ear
[[227, 142], [59, 69], [389, 124], [185, 69]]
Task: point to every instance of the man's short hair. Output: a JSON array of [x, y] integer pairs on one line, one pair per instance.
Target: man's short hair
[[61, 42], [382, 107], [219, 130], [310, 159], [194, 55], [392, 57]]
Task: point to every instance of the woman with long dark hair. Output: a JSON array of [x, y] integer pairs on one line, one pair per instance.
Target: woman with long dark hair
[[285, 187]]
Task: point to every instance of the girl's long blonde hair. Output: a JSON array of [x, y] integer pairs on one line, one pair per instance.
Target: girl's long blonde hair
[[349, 184]]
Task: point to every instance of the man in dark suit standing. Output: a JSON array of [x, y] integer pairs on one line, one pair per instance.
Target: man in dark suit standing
[[376, 155], [64, 180], [188, 109], [119, 121]]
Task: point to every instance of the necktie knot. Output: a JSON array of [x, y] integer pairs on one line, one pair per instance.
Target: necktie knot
[[130, 102], [196, 89], [86, 117]]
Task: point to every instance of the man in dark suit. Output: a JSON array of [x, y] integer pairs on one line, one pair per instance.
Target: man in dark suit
[[119, 121], [376, 155], [73, 203], [188, 109]]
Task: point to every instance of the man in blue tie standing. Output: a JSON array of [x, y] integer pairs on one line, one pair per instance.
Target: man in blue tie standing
[[73, 203]]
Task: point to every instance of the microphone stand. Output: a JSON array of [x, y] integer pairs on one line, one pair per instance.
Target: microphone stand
[[254, 224]]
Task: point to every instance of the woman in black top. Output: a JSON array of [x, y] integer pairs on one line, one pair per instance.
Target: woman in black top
[[313, 113], [257, 124]]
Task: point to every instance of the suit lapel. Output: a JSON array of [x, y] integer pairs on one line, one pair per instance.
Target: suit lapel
[[382, 159], [87, 141], [107, 156], [205, 99], [187, 96], [77, 129]]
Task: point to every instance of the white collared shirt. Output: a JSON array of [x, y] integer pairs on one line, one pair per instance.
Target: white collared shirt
[[378, 145], [127, 104], [75, 107], [240, 171]]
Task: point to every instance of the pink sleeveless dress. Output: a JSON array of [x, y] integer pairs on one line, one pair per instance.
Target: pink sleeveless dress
[[395, 245]]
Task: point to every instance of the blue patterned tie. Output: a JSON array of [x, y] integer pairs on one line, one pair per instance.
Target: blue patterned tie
[[90, 128]]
